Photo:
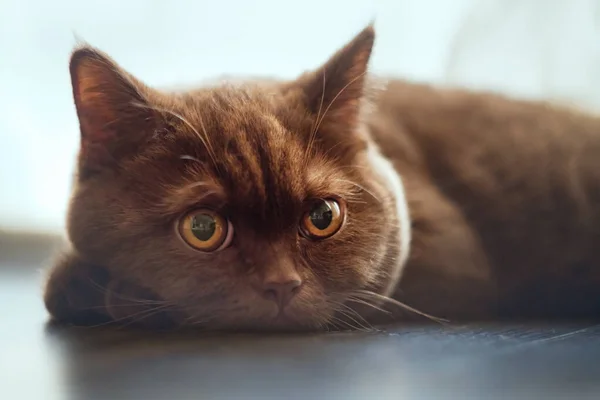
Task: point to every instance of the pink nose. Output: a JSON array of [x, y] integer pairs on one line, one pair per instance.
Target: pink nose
[[281, 292]]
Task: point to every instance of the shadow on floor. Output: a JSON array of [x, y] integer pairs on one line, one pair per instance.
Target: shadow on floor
[[42, 361]]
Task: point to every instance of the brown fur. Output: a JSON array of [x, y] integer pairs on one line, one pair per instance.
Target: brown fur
[[503, 200], [518, 178]]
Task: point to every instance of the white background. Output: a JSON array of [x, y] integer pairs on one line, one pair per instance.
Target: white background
[[528, 48]]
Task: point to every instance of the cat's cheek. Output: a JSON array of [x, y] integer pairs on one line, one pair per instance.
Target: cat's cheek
[[313, 307], [335, 272], [199, 280], [354, 251]]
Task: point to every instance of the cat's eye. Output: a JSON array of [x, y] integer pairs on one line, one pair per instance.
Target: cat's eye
[[323, 219], [205, 230]]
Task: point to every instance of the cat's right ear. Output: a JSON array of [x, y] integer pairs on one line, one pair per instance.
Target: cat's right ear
[[333, 92], [114, 113]]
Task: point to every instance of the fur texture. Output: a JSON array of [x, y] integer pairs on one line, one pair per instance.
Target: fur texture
[[462, 205]]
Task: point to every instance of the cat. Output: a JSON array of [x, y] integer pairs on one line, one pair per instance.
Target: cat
[[334, 200]]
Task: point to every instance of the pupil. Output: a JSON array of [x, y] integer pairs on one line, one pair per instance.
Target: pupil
[[321, 215], [203, 226]]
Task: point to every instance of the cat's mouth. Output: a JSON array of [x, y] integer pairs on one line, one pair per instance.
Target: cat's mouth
[[290, 319], [284, 316], [282, 320]]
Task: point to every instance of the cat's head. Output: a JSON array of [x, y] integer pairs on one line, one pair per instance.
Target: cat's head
[[257, 205]]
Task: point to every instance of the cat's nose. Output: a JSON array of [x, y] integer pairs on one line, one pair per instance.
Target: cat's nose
[[281, 292]]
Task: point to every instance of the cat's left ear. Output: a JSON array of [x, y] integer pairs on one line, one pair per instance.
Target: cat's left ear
[[334, 91], [113, 108]]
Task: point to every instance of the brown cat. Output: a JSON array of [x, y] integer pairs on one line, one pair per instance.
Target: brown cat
[[310, 203]]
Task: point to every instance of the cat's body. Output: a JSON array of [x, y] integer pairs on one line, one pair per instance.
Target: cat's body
[[504, 198], [461, 205]]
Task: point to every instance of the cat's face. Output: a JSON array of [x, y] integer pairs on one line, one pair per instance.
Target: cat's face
[[256, 206]]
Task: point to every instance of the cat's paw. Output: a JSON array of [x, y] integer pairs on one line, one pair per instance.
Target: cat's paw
[[84, 294], [75, 292]]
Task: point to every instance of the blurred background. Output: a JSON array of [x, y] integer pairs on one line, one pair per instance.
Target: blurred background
[[539, 49], [526, 48]]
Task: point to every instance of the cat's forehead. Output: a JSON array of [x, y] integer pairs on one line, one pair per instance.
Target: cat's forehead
[[235, 140], [240, 122], [237, 145], [224, 112]]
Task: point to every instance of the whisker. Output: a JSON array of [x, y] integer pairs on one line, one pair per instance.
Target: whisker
[[320, 120], [344, 167], [204, 139], [143, 315], [357, 327], [196, 184], [402, 305], [357, 314], [351, 312], [366, 303], [120, 296], [212, 155], [359, 186], [149, 312], [313, 132], [198, 321], [341, 324], [191, 158], [336, 97], [112, 306], [356, 324]]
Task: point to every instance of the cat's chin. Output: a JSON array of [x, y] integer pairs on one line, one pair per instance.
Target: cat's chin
[[273, 326], [280, 326], [287, 322]]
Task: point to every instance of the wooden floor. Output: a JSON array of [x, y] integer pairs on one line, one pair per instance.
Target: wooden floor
[[520, 361]]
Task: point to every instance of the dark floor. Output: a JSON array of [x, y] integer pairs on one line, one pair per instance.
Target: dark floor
[[518, 361]]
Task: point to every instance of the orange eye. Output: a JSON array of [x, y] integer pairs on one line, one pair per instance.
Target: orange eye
[[324, 219], [205, 230]]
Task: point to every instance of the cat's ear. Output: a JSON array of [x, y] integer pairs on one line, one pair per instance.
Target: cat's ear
[[84, 294], [334, 91], [112, 107]]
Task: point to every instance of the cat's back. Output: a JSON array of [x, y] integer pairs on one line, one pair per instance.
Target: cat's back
[[524, 175]]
